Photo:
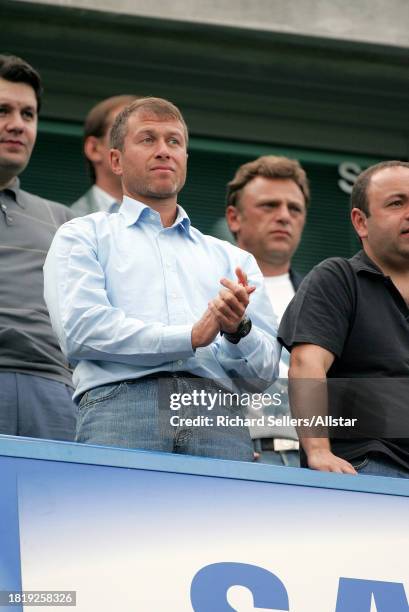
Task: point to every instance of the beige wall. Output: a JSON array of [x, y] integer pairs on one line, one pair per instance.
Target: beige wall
[[371, 21]]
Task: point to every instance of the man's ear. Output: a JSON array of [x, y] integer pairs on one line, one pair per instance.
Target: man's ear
[[92, 149], [359, 221], [233, 218], [115, 158]]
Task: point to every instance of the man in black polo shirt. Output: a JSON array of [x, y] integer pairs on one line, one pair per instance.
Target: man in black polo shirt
[[349, 324], [35, 382]]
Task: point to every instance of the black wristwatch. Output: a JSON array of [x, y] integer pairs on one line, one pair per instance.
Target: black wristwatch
[[241, 332]]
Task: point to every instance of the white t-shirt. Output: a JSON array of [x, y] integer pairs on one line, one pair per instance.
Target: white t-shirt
[[280, 291]]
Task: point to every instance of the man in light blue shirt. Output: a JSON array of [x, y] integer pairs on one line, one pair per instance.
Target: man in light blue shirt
[[152, 313]]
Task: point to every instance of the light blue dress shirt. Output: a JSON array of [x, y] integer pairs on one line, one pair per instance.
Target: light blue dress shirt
[[123, 294]]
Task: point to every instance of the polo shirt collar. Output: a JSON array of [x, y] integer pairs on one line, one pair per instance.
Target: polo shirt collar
[[14, 191], [362, 263], [135, 211]]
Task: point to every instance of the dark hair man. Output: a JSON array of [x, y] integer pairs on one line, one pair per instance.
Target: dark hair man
[[144, 298], [348, 331], [106, 191], [266, 210], [35, 383]]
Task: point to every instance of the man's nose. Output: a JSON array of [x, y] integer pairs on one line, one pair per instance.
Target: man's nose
[[15, 122], [162, 149], [283, 214]]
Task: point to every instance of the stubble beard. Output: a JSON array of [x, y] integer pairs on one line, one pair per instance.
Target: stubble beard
[[151, 191]]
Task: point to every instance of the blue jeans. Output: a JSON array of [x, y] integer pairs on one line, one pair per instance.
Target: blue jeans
[[136, 414], [377, 464], [36, 407]]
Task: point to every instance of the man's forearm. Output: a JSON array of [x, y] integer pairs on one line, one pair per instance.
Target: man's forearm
[[309, 400]]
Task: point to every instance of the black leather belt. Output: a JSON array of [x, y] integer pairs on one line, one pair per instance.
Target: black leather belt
[[267, 444], [158, 375]]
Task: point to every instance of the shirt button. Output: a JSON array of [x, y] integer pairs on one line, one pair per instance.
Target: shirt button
[[179, 362]]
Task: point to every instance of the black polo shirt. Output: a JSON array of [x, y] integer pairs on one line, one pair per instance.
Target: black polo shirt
[[353, 310], [27, 342]]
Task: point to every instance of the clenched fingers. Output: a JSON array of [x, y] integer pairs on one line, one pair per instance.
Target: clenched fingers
[[240, 292]]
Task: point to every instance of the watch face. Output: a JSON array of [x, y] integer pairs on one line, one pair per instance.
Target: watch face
[[244, 328], [242, 331]]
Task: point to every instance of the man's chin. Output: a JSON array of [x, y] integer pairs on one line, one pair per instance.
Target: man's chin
[[280, 250], [153, 191], [13, 165], [161, 195], [162, 192]]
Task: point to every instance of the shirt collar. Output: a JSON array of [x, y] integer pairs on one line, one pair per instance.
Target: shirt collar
[[14, 191], [134, 211], [106, 202], [362, 263]]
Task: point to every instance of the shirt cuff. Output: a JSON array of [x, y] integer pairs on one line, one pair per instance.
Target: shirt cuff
[[244, 347], [177, 341]]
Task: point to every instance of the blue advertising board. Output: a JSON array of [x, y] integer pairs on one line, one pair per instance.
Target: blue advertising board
[[137, 531]]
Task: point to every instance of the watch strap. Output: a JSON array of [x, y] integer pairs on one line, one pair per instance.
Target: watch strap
[[241, 332]]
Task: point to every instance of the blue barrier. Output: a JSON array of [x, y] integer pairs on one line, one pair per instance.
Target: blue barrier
[[142, 531]]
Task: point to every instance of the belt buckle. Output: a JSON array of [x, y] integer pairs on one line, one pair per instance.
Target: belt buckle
[[283, 444]]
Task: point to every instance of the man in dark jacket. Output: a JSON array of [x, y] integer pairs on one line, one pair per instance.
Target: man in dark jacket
[[266, 211], [105, 194]]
